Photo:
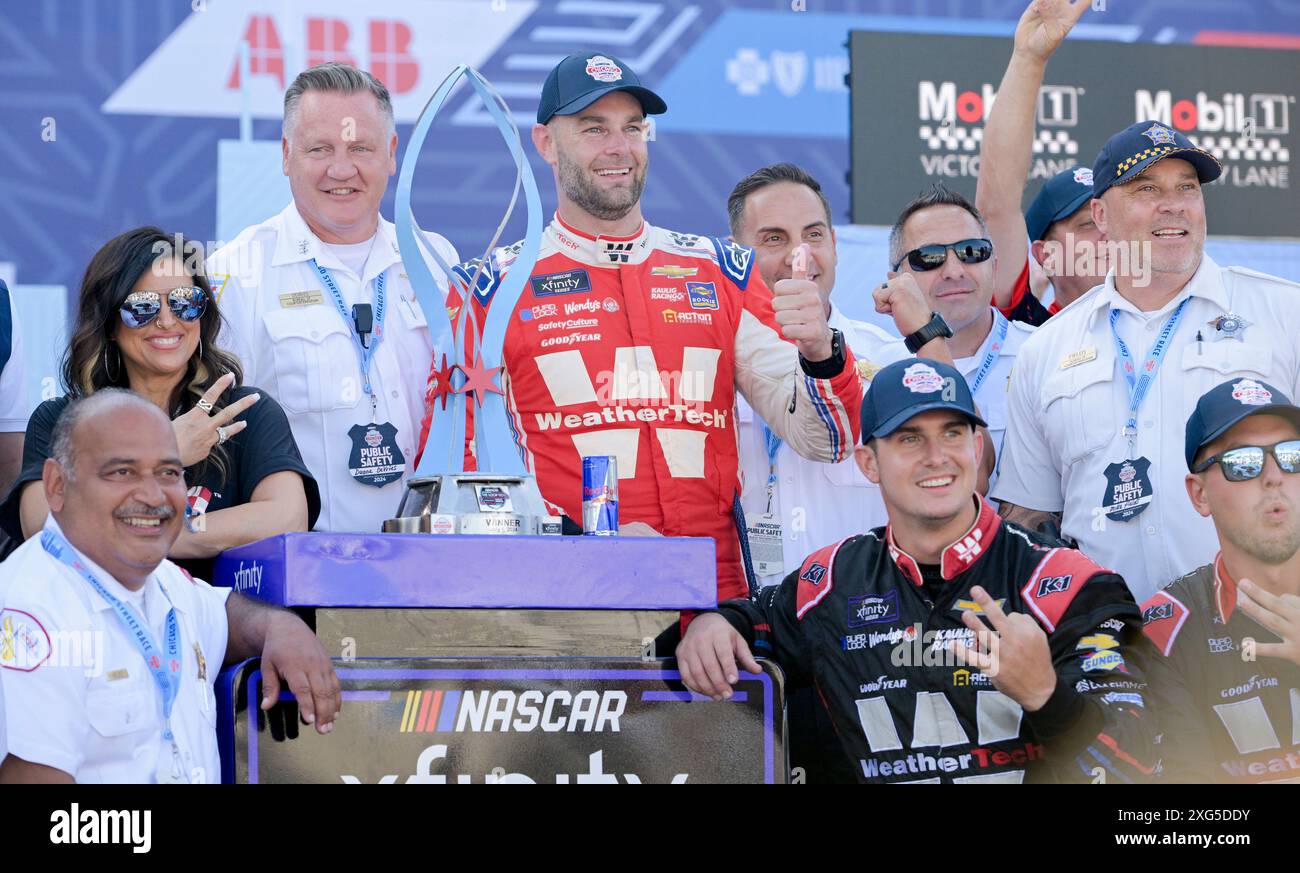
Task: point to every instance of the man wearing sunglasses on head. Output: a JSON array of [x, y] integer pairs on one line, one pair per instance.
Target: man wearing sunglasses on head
[[1228, 685], [941, 241], [1101, 390]]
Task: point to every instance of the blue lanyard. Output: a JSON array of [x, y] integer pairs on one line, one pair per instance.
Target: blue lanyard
[[167, 673], [1140, 385], [381, 300], [773, 443], [1001, 325]]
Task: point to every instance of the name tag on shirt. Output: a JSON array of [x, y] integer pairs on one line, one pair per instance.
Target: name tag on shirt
[[1082, 356], [765, 544], [301, 298]]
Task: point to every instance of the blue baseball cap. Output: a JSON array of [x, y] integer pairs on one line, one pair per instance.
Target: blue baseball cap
[[580, 80], [906, 388], [1225, 405], [1140, 145], [1060, 197]]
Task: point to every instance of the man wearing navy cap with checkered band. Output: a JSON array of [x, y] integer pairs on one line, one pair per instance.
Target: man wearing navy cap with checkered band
[[889, 624], [1229, 632], [1101, 391], [1057, 232]]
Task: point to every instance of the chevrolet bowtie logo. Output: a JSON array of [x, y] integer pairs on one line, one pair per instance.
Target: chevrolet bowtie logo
[[972, 606], [674, 272]]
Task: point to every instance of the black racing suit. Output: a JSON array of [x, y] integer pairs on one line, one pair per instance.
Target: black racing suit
[[1227, 715], [869, 626]]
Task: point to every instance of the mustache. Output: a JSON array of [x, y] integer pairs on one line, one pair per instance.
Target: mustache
[[165, 513]]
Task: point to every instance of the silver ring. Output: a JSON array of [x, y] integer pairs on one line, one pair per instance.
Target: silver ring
[[221, 435], [205, 405]]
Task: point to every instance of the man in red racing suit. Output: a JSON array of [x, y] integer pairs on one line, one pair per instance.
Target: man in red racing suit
[[631, 341]]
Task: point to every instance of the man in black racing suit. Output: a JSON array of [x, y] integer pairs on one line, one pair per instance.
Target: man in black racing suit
[[1227, 681], [887, 624]]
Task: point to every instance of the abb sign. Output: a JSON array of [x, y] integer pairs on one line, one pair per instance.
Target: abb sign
[[330, 39]]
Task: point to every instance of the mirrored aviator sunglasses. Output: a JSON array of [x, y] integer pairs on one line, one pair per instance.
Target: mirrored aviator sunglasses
[[1247, 462], [931, 257], [142, 307]]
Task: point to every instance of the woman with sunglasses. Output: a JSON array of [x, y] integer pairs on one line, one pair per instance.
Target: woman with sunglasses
[[147, 320]]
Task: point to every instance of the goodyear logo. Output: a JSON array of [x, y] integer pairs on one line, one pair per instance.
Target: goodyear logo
[[503, 711]]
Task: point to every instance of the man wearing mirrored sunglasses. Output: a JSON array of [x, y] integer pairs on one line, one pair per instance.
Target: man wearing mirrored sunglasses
[[1228, 685], [1101, 391], [941, 241]]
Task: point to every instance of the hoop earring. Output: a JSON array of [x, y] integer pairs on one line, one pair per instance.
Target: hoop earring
[[200, 348], [107, 370]]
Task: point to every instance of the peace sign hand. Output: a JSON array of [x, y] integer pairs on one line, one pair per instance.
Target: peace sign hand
[[1014, 655], [197, 431]]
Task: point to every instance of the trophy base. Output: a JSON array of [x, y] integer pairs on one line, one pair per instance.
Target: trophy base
[[473, 503]]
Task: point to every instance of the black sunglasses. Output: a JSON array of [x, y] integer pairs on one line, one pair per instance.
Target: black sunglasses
[[1247, 462], [931, 257], [142, 307]]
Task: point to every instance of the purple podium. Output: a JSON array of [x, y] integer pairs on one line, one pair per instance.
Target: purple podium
[[475, 572], [533, 657]]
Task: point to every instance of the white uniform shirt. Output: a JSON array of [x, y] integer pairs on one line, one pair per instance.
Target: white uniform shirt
[[991, 398], [817, 503], [284, 326], [13, 381], [1069, 400], [75, 692]]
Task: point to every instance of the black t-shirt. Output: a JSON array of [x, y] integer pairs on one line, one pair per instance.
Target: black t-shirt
[[264, 447]]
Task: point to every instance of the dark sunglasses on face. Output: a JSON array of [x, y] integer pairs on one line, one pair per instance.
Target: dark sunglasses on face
[[931, 257], [1247, 462], [142, 307]]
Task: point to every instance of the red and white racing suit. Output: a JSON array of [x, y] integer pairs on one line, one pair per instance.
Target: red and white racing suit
[[634, 347]]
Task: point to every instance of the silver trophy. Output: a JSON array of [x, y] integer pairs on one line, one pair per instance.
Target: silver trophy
[[442, 497]]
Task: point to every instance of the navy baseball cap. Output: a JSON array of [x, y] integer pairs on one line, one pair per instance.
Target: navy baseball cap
[[1060, 197], [906, 388], [1140, 145], [1223, 406], [580, 80]]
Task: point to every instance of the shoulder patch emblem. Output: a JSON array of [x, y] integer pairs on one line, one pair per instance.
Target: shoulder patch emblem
[[816, 578], [1055, 582], [736, 260], [489, 278], [1163, 617], [24, 642]]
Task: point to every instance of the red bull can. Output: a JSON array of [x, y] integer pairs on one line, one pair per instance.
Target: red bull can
[[600, 496]]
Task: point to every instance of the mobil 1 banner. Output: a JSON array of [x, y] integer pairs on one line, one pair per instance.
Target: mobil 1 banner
[[919, 104], [508, 720]]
